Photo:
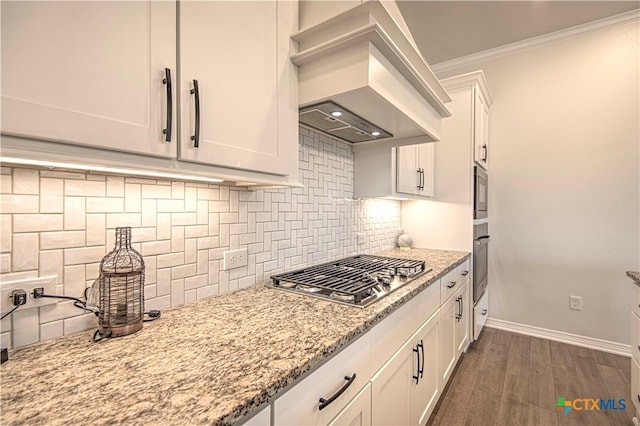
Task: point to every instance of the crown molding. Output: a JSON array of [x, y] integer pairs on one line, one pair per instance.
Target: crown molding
[[469, 79], [539, 41]]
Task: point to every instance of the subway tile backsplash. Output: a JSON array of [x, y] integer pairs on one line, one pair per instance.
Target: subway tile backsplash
[[63, 223]]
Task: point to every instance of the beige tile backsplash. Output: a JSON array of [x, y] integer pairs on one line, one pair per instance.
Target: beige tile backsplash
[[63, 223]]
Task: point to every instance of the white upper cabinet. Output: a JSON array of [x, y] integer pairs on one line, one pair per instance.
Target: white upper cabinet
[[100, 78], [419, 179], [474, 85], [399, 172], [481, 130], [232, 49], [89, 73]]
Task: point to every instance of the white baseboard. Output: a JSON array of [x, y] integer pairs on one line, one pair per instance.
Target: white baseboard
[[561, 336]]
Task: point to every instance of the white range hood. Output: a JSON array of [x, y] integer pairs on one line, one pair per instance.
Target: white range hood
[[362, 60]]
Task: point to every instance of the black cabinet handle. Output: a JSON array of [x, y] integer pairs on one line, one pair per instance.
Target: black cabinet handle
[[461, 308], [196, 94], [484, 152], [167, 82], [421, 370], [419, 179], [483, 312], [325, 402], [464, 273], [459, 313], [417, 376], [452, 285]]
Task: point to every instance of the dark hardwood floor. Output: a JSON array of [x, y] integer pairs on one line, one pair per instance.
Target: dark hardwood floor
[[512, 379]]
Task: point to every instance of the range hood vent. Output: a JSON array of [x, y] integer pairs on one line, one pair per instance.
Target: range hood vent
[[362, 62], [331, 118]]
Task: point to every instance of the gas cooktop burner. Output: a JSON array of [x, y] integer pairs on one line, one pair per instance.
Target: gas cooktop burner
[[358, 280]]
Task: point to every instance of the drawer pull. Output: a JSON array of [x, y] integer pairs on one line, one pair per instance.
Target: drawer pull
[[483, 312], [452, 284], [167, 82], [325, 402], [464, 273]]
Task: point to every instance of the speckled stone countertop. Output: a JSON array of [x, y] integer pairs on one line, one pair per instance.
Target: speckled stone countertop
[[211, 362], [635, 276]]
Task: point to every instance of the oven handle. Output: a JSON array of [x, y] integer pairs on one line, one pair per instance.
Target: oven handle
[[325, 402]]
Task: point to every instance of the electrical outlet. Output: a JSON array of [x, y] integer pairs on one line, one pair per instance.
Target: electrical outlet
[[49, 284], [575, 303], [234, 259], [361, 237]]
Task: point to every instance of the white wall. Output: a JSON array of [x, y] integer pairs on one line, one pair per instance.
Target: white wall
[[564, 182]]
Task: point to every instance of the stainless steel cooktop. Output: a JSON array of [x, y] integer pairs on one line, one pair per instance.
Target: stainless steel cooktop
[[357, 280]]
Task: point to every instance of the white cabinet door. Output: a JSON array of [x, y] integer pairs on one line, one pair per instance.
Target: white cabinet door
[[263, 418], [462, 322], [357, 412], [427, 164], [415, 169], [424, 394], [231, 49], [446, 337], [481, 130], [89, 73], [407, 172], [391, 388]]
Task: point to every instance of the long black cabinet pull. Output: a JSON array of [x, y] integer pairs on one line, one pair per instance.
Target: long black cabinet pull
[[325, 402], [459, 312], [419, 179], [167, 82], [196, 95], [484, 152], [421, 350], [417, 376]]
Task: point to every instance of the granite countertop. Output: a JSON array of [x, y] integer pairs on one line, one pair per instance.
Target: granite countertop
[[210, 362], [635, 276]]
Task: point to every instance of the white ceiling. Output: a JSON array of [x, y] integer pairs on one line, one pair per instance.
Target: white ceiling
[[447, 30]]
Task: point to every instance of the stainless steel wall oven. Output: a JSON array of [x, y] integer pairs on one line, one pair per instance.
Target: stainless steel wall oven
[[480, 259]]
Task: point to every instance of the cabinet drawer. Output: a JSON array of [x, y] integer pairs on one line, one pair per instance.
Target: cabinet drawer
[[635, 299], [393, 331], [635, 337], [301, 404], [480, 314], [635, 386], [449, 284], [464, 272]]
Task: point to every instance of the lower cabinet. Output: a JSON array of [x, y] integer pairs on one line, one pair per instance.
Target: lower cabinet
[[635, 389], [370, 384], [405, 389], [263, 418], [480, 314], [357, 412], [336, 383]]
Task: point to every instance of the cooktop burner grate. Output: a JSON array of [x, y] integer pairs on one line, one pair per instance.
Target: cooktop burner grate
[[352, 276]]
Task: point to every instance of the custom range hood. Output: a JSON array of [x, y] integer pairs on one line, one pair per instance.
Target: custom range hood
[[361, 77]]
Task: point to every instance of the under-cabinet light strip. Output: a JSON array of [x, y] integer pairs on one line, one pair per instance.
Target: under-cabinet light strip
[[110, 170]]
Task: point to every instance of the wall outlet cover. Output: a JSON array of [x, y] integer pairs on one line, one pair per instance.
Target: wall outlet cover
[[234, 259], [49, 283], [575, 303]]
